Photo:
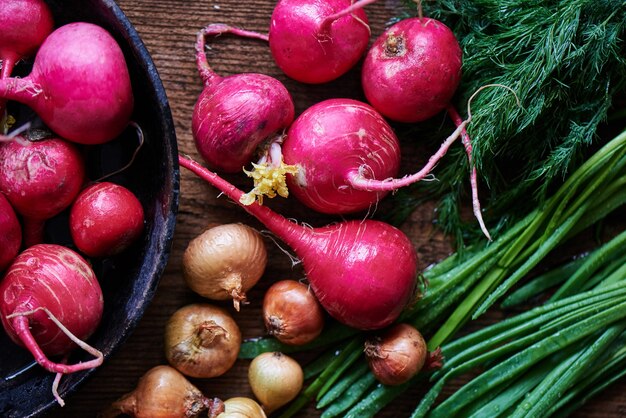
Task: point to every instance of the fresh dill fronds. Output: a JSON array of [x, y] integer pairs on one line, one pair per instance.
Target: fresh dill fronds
[[566, 61]]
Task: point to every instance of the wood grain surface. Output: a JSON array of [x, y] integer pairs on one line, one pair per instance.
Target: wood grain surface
[[168, 28]]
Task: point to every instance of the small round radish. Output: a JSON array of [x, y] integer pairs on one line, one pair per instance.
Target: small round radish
[[25, 25], [333, 141], [79, 86], [317, 41], [105, 219], [412, 70], [40, 179], [10, 233], [362, 272], [48, 285], [235, 115]]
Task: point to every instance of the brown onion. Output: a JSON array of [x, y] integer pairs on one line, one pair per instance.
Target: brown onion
[[202, 340], [292, 313], [275, 379], [162, 392], [240, 407], [225, 262], [396, 355]]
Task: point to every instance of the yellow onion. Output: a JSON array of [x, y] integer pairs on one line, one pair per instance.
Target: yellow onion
[[275, 379], [162, 392], [397, 354], [240, 407], [225, 262], [202, 340], [291, 312]]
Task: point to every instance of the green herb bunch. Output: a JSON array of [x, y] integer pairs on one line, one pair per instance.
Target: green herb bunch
[[566, 61]]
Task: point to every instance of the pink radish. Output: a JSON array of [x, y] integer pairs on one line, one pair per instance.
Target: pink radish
[[362, 272], [345, 156], [40, 179], [25, 24], [10, 233], [316, 41], [412, 70], [236, 115], [79, 85], [51, 302], [333, 144], [105, 219]]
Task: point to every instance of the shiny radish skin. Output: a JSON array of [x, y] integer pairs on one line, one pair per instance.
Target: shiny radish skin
[[10, 234], [235, 115], [56, 278], [79, 85], [40, 179], [331, 142], [25, 25], [364, 273], [310, 45], [105, 219], [232, 118], [412, 70]]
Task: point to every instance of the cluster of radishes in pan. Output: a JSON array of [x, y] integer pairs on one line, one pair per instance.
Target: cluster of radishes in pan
[[80, 88]]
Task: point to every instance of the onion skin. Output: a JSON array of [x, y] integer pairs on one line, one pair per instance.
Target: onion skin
[[224, 262], [240, 407], [291, 313], [275, 379], [162, 392], [396, 355], [202, 340]]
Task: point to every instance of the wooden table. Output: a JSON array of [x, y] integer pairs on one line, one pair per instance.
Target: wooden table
[[168, 28]]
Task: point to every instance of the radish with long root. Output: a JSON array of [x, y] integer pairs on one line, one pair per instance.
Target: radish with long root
[[364, 273], [318, 41], [411, 73], [25, 25], [346, 157], [40, 179], [79, 85], [51, 303], [235, 116]]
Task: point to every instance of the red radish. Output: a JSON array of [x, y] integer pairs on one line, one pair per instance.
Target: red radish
[[25, 24], [235, 115], [51, 302], [40, 179], [105, 219], [10, 233], [362, 272], [346, 156], [333, 143], [316, 41], [79, 86], [412, 70]]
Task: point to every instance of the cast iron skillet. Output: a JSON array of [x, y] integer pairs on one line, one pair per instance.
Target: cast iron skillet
[[128, 281]]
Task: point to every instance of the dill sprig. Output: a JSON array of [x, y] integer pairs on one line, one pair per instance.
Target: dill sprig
[[566, 61]]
